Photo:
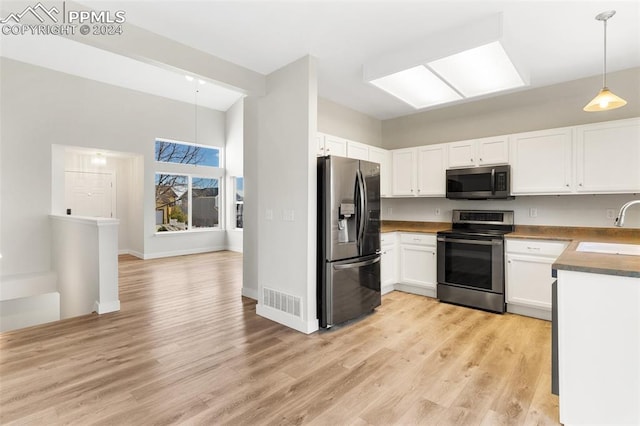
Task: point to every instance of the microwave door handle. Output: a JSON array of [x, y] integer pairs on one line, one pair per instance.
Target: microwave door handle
[[493, 181]]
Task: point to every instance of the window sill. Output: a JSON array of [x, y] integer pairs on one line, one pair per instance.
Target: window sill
[[191, 231]]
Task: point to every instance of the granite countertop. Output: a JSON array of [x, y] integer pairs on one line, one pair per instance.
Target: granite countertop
[[597, 263], [570, 259]]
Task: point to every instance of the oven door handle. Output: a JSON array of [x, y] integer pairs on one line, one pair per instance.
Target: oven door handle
[[477, 242]]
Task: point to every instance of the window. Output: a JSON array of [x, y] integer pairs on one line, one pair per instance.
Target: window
[[186, 202], [188, 196], [184, 153], [238, 195]]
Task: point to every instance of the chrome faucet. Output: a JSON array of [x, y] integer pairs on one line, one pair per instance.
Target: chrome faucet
[[623, 210]]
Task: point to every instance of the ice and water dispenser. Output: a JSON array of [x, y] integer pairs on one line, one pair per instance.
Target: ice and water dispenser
[[347, 222]]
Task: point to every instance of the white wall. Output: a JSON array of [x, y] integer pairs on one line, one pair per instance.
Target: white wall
[[252, 185], [283, 148], [562, 210], [234, 153], [339, 120], [41, 108]]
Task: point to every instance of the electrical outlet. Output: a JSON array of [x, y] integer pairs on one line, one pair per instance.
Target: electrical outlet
[[268, 214], [288, 215], [611, 214], [389, 211], [437, 211], [533, 212]]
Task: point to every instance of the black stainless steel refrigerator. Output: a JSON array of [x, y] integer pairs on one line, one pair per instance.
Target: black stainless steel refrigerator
[[348, 239]]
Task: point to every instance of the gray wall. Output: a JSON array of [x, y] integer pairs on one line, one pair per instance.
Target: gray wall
[[339, 120], [543, 108]]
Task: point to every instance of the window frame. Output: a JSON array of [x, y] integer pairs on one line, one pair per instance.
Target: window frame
[[234, 204], [192, 171]]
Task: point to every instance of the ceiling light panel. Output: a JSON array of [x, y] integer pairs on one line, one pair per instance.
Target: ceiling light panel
[[418, 87], [478, 71]]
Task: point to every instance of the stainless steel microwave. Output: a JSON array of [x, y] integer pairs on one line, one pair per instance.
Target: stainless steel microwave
[[479, 183]]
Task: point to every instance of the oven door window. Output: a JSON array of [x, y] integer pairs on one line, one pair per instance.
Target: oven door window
[[469, 264]]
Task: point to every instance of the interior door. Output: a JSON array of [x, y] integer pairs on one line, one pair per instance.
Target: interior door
[[90, 194]]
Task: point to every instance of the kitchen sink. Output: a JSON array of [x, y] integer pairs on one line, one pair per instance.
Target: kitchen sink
[[610, 248]]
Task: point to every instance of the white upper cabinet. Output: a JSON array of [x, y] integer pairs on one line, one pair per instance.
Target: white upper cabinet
[[462, 154], [382, 157], [431, 170], [403, 170], [479, 152], [357, 150], [494, 150], [600, 158], [608, 157], [541, 162], [419, 171], [331, 145]]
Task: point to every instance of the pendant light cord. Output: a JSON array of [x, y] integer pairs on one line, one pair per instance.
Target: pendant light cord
[[604, 62], [196, 115]]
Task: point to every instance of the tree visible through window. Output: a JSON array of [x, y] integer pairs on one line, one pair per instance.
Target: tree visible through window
[[183, 153], [185, 201]]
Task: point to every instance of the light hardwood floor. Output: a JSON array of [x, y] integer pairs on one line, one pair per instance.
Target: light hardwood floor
[[186, 348]]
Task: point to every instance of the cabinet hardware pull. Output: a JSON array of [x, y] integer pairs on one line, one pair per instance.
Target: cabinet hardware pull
[[533, 248]]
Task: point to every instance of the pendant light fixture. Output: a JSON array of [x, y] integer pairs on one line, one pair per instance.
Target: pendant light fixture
[[605, 100]]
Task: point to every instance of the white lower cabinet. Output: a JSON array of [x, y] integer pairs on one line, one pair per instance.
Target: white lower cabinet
[[418, 264], [528, 276], [389, 261]]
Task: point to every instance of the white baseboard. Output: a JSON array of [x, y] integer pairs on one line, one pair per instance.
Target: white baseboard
[[159, 255], [387, 289], [237, 249], [290, 321], [106, 307], [251, 293], [543, 314], [416, 289], [135, 253]]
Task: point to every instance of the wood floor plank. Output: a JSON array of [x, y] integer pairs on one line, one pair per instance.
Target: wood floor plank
[[187, 348]]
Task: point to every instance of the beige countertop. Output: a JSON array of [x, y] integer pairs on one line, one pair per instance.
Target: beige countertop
[[570, 259]]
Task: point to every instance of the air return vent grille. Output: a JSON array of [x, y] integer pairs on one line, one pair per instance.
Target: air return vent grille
[[281, 301]]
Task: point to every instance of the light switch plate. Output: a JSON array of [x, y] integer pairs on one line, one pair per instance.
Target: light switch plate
[[268, 214]]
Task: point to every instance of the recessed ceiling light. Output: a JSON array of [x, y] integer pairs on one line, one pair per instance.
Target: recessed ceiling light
[[201, 81], [478, 71], [418, 87], [188, 77]]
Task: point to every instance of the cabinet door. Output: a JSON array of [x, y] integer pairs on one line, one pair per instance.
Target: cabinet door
[[382, 157], [529, 280], [493, 150], [389, 266], [462, 154], [541, 162], [335, 146], [432, 165], [320, 145], [403, 171], [357, 150], [608, 157], [418, 265]]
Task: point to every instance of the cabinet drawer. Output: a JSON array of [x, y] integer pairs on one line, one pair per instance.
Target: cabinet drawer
[[418, 239], [536, 247], [387, 238]]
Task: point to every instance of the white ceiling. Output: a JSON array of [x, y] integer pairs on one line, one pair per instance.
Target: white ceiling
[[553, 41]]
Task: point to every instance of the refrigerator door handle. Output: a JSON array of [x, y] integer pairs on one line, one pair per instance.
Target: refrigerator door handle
[[362, 212], [357, 264]]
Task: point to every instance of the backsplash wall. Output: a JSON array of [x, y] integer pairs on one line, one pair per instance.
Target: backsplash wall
[[560, 210]]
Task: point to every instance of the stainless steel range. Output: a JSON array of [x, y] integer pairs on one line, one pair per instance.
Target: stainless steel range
[[471, 259]]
